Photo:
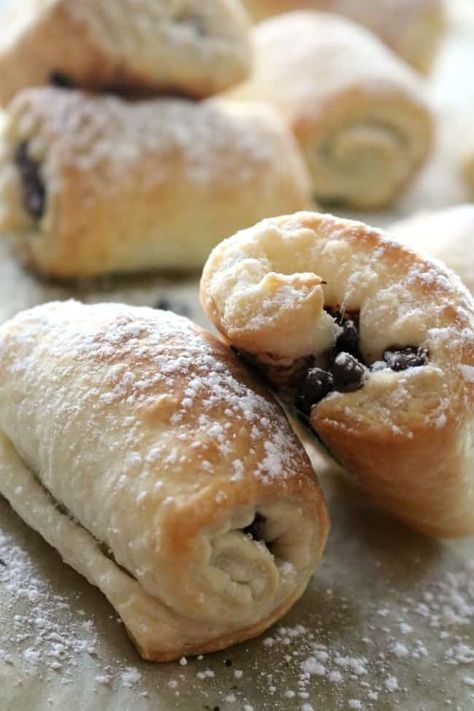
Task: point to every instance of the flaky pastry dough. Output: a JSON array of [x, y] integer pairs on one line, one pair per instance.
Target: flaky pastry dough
[[162, 470], [358, 112], [306, 294], [92, 185], [130, 46]]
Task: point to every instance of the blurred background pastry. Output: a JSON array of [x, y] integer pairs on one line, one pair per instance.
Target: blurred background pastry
[[142, 47], [411, 28], [356, 109], [93, 185], [448, 235]]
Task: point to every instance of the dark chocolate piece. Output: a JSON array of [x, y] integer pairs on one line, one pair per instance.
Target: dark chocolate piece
[[315, 386], [348, 373], [348, 339], [34, 193], [61, 80], [403, 358], [255, 529]]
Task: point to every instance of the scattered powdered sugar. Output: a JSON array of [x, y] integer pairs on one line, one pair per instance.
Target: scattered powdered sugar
[[467, 372], [109, 138], [138, 355], [45, 635]]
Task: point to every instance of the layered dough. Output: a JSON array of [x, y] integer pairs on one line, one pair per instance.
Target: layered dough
[[374, 345], [411, 28], [448, 235], [356, 110], [160, 469], [130, 46], [93, 185]]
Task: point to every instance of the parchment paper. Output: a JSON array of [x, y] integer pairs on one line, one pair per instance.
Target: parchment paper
[[387, 622]]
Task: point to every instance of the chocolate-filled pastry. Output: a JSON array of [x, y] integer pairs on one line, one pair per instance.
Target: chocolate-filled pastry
[[356, 109], [372, 343], [140, 448], [447, 235], [411, 29], [127, 46], [93, 185]]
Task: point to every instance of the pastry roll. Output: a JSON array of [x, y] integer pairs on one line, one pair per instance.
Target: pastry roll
[[130, 46], [137, 445], [448, 235], [356, 110], [411, 29], [91, 185], [371, 343]]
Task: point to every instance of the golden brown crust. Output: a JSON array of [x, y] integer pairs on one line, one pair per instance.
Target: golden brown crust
[[140, 48], [407, 436], [150, 185], [170, 498]]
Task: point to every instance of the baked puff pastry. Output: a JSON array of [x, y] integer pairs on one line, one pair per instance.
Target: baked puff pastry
[[372, 343], [140, 448], [357, 111], [411, 29], [93, 185], [130, 46], [448, 235]]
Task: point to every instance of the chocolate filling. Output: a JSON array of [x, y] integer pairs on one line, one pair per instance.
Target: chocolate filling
[[255, 529], [403, 358], [346, 370], [34, 193], [61, 80]]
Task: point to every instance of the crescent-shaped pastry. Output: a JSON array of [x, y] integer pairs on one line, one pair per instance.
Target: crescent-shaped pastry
[[140, 448], [92, 185], [412, 29], [447, 235], [130, 46], [356, 109], [372, 343]]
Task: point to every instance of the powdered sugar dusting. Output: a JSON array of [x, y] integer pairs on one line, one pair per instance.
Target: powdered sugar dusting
[[111, 138], [47, 635]]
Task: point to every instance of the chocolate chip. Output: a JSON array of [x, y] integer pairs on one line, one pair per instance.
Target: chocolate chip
[[348, 339], [2, 562], [255, 529], [315, 386], [403, 358], [61, 80], [348, 373], [34, 193], [228, 662]]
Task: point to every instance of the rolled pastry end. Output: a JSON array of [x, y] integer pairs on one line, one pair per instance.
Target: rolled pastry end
[[386, 379], [95, 185], [193, 506], [356, 110], [367, 149]]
